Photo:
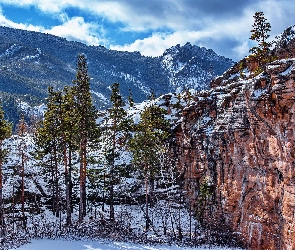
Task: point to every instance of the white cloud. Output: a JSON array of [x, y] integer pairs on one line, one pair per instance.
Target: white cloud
[[217, 33], [241, 49], [125, 11], [151, 46], [156, 44], [76, 29], [73, 29], [139, 15], [6, 22], [47, 6]]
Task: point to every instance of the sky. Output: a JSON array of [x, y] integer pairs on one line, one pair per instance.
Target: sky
[[150, 26]]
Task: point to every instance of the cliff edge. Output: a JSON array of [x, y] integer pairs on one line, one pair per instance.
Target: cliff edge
[[239, 136]]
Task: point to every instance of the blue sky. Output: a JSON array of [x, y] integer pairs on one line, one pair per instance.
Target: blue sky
[[150, 26]]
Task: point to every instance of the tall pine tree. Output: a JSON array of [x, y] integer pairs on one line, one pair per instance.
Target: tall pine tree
[[115, 136], [85, 116], [69, 144], [260, 34]]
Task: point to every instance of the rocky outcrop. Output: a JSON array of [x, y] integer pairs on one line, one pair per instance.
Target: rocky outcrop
[[240, 135], [285, 44]]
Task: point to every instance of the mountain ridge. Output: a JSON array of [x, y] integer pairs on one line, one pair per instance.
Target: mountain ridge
[[31, 61]]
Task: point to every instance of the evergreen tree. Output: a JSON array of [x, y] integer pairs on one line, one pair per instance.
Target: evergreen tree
[[86, 115], [130, 99], [5, 132], [69, 124], [48, 141], [260, 33], [115, 137], [147, 145], [69, 144]]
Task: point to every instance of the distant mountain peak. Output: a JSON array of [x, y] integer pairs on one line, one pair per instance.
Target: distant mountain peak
[[193, 67]]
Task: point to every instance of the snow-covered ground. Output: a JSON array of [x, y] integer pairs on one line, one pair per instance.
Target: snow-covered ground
[[45, 244]]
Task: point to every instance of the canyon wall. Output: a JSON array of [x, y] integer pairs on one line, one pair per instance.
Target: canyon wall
[[240, 137]]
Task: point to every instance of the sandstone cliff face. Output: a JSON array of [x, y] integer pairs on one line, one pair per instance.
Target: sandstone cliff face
[[240, 135]]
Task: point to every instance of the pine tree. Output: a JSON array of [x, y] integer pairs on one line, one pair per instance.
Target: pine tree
[[260, 33], [115, 137], [146, 146], [69, 124], [130, 99], [48, 140], [69, 144], [86, 115], [5, 132]]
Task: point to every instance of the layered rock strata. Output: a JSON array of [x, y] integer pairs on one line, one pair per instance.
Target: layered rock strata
[[240, 136]]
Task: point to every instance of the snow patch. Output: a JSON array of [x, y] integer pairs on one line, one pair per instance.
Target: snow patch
[[45, 244], [10, 51], [287, 71], [258, 92]]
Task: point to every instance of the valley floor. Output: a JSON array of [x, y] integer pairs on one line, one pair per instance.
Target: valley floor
[[46, 244]]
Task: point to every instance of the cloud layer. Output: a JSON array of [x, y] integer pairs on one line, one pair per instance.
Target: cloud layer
[[223, 26]]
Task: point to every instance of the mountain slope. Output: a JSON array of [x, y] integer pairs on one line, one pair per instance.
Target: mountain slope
[[31, 61], [192, 67]]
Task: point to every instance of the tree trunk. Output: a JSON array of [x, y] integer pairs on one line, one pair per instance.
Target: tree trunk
[[146, 180], [52, 183], [70, 180], [2, 232], [112, 211], [83, 167], [103, 195], [67, 182], [56, 183], [23, 190], [13, 208]]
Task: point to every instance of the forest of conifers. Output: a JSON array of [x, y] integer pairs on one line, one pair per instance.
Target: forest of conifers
[[115, 168]]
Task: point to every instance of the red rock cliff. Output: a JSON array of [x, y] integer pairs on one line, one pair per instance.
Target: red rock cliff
[[241, 136]]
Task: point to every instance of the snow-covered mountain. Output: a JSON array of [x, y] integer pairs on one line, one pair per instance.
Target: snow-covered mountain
[[32, 61], [192, 67]]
